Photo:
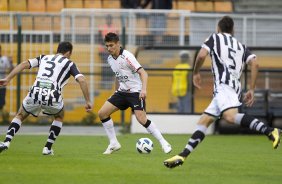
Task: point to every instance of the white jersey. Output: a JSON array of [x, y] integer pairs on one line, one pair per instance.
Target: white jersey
[[229, 57], [5, 64], [53, 74], [125, 68]]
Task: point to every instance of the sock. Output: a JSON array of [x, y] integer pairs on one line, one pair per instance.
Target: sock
[[108, 125], [152, 129], [252, 123], [197, 137], [54, 132], [13, 129]]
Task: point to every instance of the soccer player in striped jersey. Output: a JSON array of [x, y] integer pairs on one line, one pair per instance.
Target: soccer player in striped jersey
[[229, 57], [131, 91], [46, 93]]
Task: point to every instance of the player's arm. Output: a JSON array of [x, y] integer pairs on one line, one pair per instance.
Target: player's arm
[[200, 59], [144, 78], [84, 88], [14, 72], [135, 66], [249, 96], [254, 72]]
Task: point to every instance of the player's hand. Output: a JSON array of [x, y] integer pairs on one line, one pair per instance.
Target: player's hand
[[88, 107], [143, 94], [249, 98], [3, 82], [197, 80]]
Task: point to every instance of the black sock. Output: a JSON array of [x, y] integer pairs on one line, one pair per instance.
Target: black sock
[[197, 137], [54, 132], [12, 130], [256, 125], [147, 124]]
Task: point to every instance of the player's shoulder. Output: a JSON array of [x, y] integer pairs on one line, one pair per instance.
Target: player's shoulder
[[45, 56], [4, 58], [127, 54], [110, 57], [211, 37]]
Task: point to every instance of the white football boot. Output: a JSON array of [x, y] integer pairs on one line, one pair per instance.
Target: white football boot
[[46, 151], [166, 147], [112, 148]]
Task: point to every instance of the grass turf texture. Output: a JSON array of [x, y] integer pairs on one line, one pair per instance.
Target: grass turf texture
[[79, 159]]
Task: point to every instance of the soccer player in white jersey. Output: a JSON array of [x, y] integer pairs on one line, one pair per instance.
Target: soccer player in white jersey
[[229, 57], [131, 91], [6, 66], [45, 94]]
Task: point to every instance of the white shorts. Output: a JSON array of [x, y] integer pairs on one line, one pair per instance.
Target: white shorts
[[225, 98], [35, 108]]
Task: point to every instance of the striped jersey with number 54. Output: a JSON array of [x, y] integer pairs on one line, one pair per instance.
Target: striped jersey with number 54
[[229, 57], [53, 74]]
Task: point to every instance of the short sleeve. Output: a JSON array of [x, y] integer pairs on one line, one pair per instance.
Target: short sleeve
[[248, 55], [132, 63], [35, 62], [74, 71], [209, 43]]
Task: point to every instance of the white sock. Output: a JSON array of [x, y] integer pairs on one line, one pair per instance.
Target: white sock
[[152, 129], [110, 130]]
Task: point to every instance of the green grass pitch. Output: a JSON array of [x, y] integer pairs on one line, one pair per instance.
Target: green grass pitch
[[79, 160]]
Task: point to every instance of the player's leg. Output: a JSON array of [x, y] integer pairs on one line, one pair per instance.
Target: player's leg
[[2, 101], [54, 132], [207, 118], [13, 128], [152, 129], [254, 124], [197, 137], [139, 108], [104, 114]]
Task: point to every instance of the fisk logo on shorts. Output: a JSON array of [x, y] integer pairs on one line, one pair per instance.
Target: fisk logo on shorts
[[44, 91]]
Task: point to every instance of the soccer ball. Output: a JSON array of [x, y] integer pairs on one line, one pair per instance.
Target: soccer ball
[[144, 145]]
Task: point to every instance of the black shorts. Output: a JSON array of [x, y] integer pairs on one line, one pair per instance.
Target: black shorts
[[124, 100], [2, 97]]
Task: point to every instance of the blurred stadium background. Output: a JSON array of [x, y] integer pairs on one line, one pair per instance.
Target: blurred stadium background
[[37, 26]]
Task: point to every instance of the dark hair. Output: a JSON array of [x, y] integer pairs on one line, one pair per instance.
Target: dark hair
[[226, 24], [111, 37], [64, 47]]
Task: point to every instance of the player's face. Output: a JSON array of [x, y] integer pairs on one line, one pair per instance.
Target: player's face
[[113, 48]]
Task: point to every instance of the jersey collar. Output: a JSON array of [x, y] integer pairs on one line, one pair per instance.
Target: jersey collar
[[120, 53]]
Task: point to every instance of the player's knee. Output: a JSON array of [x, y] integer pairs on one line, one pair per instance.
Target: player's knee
[[102, 115], [229, 118], [229, 115]]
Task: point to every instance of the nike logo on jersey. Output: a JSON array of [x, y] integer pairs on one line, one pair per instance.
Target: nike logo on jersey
[[135, 105]]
